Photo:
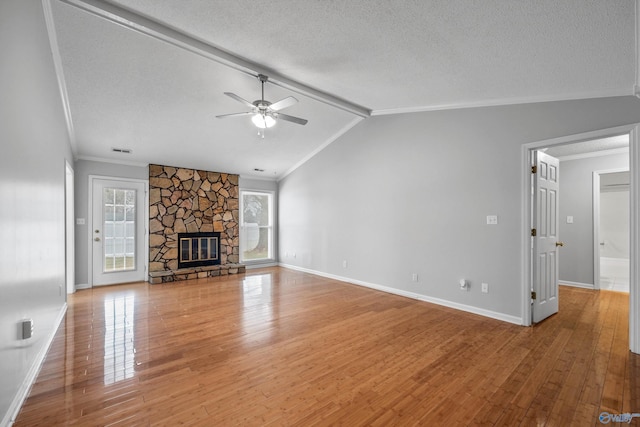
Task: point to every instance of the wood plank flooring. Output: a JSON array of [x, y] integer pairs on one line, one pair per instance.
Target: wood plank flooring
[[278, 347]]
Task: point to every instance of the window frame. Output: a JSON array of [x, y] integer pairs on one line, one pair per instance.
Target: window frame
[[271, 246]]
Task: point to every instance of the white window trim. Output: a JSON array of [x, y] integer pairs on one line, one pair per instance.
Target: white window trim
[[271, 258]]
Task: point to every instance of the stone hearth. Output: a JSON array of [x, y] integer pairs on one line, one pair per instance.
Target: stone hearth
[[195, 273]]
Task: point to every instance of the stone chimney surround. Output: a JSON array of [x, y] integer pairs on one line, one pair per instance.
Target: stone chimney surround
[[190, 201]]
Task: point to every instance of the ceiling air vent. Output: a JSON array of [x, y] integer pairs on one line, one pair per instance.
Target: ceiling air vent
[[121, 150]]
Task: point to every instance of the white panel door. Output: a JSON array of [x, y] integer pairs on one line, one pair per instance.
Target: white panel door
[[545, 242], [118, 231]]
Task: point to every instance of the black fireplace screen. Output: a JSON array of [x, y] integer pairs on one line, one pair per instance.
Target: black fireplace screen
[[198, 249]]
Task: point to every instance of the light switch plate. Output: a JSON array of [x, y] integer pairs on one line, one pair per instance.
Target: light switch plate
[[27, 328]]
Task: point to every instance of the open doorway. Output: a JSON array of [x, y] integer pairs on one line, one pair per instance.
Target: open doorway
[[631, 132], [611, 229], [579, 222]]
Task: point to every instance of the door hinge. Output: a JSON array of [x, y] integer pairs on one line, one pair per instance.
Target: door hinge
[[534, 169], [533, 295], [534, 233]]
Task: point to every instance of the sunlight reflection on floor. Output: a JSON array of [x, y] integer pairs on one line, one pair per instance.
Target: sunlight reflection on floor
[[258, 308], [119, 350]]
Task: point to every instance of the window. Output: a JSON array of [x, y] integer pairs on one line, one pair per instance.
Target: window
[[256, 232], [119, 213]]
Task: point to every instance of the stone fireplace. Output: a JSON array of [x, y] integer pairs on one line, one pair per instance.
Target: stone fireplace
[[199, 208]]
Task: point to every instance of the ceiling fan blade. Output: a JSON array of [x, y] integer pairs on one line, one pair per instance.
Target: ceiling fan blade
[[246, 113], [292, 119], [283, 103], [242, 100]]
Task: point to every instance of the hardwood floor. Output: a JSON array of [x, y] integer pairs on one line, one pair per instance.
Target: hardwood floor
[[280, 347]]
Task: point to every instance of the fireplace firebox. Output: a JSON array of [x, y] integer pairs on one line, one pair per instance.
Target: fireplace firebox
[[198, 249]]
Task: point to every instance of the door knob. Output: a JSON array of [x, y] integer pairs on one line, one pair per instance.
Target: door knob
[[97, 239], [559, 243]]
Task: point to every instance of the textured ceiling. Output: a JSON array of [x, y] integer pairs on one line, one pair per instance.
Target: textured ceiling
[[594, 146], [387, 54], [129, 88]]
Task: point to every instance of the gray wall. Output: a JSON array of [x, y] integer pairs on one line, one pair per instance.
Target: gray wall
[[84, 168], [410, 194], [32, 174], [247, 183], [576, 199]]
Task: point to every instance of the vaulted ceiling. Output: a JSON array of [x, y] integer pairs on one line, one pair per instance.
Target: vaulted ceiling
[[149, 75]]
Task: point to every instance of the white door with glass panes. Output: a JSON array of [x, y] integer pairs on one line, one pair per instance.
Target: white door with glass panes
[[256, 231], [118, 231]]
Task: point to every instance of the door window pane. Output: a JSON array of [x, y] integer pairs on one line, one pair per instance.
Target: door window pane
[[119, 213], [119, 229]]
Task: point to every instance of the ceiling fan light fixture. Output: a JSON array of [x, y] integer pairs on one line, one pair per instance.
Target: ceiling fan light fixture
[[263, 121], [265, 114]]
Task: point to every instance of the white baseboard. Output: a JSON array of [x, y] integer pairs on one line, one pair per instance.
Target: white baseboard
[[32, 374], [445, 303], [83, 286], [254, 266], [576, 284]]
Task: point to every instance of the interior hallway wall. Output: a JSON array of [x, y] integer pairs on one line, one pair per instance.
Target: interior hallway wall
[[35, 146]]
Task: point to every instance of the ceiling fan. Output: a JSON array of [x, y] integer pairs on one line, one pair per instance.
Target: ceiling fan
[[264, 113]]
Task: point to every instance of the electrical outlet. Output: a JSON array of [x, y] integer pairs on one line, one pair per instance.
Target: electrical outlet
[[414, 277], [485, 288], [344, 264], [492, 219]]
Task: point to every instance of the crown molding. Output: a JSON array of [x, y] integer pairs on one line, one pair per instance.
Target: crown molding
[[57, 65], [328, 142], [114, 161], [505, 101]]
